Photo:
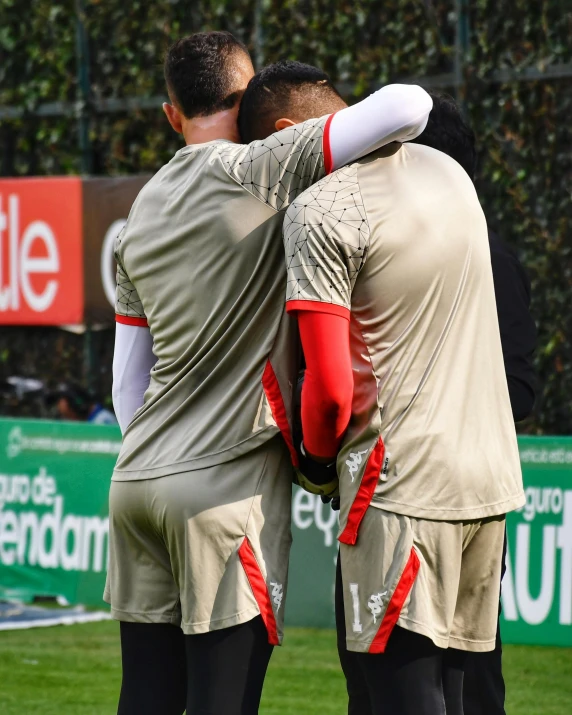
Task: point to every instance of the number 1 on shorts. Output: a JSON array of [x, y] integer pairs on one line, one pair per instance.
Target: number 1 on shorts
[[356, 625]]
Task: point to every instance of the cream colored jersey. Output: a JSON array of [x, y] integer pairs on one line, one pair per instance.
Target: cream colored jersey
[[399, 239], [200, 262]]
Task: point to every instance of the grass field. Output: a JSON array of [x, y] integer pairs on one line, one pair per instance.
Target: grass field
[[76, 669]]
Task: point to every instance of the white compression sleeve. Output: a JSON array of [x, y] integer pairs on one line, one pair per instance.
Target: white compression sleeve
[[133, 359], [398, 112]]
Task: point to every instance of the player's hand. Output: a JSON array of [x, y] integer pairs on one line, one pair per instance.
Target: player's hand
[[316, 477], [329, 490]]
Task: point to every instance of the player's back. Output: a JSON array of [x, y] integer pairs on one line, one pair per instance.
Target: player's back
[[428, 368], [201, 262]]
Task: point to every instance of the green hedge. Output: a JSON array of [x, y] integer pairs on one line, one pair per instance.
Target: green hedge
[[525, 176]]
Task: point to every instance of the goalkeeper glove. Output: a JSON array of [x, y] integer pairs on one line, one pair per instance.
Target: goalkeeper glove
[[316, 477]]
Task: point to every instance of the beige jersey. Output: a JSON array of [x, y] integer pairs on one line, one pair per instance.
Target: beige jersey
[[201, 262], [400, 239]]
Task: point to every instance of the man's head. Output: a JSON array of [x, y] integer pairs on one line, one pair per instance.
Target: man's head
[[449, 132], [206, 75], [284, 94]]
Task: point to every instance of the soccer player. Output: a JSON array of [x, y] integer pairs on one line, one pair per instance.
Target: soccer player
[[447, 131], [389, 274], [204, 360]]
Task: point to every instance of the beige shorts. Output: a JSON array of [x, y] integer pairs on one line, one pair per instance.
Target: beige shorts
[[436, 578], [206, 549]]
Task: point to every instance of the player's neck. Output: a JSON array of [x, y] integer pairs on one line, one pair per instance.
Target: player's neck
[[222, 125]]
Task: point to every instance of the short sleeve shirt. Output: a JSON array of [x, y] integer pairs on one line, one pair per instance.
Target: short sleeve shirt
[[398, 243], [200, 261]]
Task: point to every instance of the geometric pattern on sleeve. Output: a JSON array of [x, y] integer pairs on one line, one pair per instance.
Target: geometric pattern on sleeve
[[279, 168], [127, 300], [326, 237]]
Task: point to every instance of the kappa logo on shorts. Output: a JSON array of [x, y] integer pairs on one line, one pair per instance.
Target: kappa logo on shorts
[[277, 594], [375, 604], [354, 462]]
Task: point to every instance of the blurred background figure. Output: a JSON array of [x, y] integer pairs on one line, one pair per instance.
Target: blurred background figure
[[16, 390], [73, 403]]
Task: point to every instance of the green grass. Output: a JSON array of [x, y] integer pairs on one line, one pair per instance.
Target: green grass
[[76, 669]]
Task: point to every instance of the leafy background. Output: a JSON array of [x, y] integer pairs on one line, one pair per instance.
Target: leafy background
[[525, 140]]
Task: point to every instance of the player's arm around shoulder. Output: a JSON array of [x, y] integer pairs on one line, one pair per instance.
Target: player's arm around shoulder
[[279, 168]]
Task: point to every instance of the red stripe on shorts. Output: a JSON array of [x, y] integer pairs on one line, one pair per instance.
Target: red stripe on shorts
[[395, 605], [328, 160], [128, 320], [276, 402], [259, 589], [364, 495]]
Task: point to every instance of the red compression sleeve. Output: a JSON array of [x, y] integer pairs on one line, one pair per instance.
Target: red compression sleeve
[[328, 384]]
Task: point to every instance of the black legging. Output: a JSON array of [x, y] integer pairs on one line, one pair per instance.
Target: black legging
[[216, 673], [412, 677]]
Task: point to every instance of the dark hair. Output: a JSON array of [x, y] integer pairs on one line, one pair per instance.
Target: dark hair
[[200, 72], [449, 132], [285, 89]]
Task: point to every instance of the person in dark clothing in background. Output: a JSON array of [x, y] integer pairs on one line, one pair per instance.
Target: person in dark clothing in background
[[75, 404], [518, 331], [447, 131]]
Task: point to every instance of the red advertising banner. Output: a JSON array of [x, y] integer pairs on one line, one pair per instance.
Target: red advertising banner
[[41, 261], [56, 247]]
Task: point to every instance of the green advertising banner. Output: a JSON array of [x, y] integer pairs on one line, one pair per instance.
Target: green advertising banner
[[537, 588], [54, 481], [313, 559]]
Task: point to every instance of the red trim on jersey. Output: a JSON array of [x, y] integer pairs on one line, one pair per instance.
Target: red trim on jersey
[[328, 160], [316, 306], [276, 402], [364, 495], [128, 320], [395, 605], [259, 589]]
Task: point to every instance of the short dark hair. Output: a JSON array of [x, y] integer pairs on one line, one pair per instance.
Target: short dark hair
[[199, 75], [448, 131], [282, 89]]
